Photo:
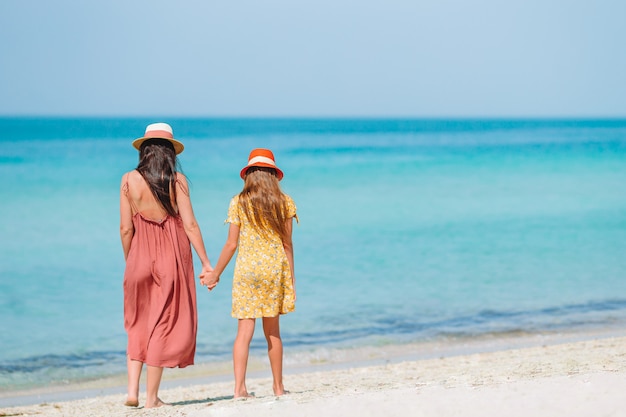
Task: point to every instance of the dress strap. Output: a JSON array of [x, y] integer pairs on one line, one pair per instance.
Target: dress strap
[[130, 200]]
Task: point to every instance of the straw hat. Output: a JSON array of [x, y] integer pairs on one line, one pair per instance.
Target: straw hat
[[159, 131], [261, 158]]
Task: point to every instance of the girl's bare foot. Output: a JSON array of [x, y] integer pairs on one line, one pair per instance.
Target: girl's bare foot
[[242, 395], [280, 390], [155, 404]]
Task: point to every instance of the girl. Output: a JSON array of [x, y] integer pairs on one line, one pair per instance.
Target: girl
[[260, 220]]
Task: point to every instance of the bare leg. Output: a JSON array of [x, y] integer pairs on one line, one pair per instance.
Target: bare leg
[[271, 328], [241, 349], [134, 372], [152, 387]]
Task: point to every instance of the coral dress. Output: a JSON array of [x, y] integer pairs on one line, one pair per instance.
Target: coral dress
[[262, 285], [160, 313]]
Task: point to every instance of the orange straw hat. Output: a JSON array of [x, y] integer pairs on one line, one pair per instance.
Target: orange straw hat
[[261, 158], [159, 131]]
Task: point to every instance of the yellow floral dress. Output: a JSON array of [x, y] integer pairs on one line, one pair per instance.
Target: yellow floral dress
[[262, 285]]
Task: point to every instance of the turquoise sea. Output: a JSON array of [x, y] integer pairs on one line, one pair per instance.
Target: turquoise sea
[[410, 230]]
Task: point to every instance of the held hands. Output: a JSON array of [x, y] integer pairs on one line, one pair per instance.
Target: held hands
[[209, 278]]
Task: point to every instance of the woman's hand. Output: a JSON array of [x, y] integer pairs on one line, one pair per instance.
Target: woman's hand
[[209, 278]]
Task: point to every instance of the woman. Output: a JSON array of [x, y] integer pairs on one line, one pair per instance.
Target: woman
[[157, 225]]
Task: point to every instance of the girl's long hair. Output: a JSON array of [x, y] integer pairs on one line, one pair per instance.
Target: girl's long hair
[[263, 202], [158, 165]]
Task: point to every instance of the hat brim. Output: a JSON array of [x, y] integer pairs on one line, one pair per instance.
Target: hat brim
[[178, 146], [279, 173]]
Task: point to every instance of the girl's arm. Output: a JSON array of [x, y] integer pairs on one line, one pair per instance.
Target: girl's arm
[[211, 279], [127, 230], [183, 201], [288, 245]]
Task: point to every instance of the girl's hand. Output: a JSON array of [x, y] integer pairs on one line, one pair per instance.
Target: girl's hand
[[210, 279], [206, 269]]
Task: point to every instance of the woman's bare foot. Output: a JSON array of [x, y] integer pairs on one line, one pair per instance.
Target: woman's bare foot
[[155, 404], [131, 402], [243, 395]]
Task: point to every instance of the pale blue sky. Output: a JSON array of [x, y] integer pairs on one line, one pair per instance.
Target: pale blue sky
[[428, 58]]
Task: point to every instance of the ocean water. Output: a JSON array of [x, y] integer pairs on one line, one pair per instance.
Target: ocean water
[[410, 230]]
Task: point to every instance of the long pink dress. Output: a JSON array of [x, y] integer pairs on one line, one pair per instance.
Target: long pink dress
[[160, 313]]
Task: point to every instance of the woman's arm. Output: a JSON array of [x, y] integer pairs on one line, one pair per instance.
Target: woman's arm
[[211, 279], [190, 224], [127, 230]]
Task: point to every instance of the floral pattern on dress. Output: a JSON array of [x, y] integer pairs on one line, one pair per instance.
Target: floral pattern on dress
[[262, 285]]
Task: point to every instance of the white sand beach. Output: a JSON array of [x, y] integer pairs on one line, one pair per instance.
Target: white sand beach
[[576, 378], [546, 377]]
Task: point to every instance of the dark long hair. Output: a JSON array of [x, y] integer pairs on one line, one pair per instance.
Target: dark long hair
[[263, 202], [158, 165]]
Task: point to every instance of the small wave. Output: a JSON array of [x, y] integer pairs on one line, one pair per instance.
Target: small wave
[[483, 322], [82, 360]]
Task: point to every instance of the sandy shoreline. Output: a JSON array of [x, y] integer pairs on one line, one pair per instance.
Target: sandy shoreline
[[573, 375]]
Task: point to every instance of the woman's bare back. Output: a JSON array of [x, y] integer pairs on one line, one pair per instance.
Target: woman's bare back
[[143, 201]]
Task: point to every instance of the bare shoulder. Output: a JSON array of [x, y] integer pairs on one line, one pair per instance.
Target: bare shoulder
[[181, 184], [133, 178], [126, 177], [134, 182], [181, 178], [133, 175]]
